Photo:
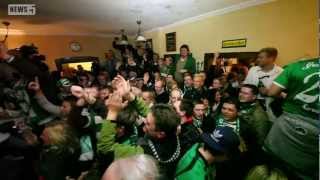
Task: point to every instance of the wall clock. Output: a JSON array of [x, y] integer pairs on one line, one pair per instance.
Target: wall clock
[[75, 46]]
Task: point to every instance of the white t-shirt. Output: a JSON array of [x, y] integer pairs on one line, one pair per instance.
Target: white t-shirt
[[255, 75]]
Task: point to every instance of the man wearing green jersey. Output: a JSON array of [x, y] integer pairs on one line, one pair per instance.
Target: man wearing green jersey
[[294, 135]]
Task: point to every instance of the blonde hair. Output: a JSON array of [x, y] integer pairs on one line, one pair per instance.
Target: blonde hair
[[263, 172], [59, 133], [197, 76], [202, 75]]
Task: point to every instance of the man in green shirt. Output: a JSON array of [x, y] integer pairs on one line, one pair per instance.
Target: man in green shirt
[[199, 160], [160, 128], [294, 136]]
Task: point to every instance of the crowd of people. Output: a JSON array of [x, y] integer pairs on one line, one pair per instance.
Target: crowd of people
[[140, 116]]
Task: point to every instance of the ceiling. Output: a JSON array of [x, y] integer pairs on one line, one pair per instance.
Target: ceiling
[[106, 17]]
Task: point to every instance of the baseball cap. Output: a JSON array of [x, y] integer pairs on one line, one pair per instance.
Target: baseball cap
[[222, 139]]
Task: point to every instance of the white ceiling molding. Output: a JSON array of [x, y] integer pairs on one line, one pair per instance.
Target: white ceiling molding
[[222, 11]]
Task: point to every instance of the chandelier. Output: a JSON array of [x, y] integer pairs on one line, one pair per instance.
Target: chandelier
[[139, 37]]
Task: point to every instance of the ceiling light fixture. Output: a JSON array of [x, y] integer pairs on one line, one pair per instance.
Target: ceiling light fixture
[[6, 23], [139, 37], [124, 38]]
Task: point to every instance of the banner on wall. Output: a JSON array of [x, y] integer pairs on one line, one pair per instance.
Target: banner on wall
[[234, 43]]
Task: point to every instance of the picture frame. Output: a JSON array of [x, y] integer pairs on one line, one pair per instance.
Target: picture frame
[[171, 42], [149, 44]]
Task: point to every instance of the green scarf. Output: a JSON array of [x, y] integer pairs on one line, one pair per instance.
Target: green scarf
[[197, 122], [235, 125]]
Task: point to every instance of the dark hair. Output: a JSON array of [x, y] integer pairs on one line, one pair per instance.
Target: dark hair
[[233, 101], [162, 80], [187, 106], [254, 89], [166, 119], [168, 57], [185, 46], [83, 75], [103, 73], [126, 118], [76, 120], [232, 76], [110, 89], [212, 96], [187, 74], [221, 91], [72, 100], [198, 101], [270, 51]]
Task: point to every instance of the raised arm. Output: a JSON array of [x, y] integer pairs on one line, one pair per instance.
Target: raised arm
[[124, 89], [42, 100], [106, 143]]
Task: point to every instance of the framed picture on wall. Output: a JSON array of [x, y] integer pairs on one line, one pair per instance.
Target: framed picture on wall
[[149, 44], [171, 41]]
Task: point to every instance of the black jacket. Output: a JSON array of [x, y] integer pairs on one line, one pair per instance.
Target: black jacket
[[165, 151], [163, 98]]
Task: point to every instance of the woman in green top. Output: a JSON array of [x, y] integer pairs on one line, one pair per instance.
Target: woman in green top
[[184, 63]]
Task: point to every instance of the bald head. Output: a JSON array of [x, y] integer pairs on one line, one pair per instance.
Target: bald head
[[142, 167]]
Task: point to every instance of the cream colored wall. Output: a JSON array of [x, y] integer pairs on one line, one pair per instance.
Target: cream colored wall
[[289, 25], [58, 46]]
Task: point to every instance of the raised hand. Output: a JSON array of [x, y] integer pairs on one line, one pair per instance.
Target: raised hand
[[123, 87], [77, 91], [146, 78], [81, 102], [34, 85], [114, 102], [89, 95]]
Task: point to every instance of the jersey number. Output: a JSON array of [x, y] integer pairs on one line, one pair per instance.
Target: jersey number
[[304, 95]]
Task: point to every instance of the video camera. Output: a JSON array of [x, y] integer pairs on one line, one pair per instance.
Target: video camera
[[31, 52]]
